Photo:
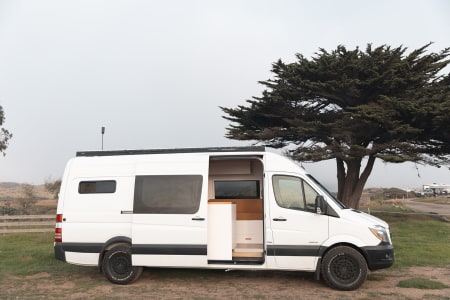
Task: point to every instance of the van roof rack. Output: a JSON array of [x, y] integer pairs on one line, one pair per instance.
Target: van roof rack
[[169, 151]]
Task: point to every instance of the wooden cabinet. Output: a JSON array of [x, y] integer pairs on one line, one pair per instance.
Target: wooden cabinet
[[221, 230], [235, 230]]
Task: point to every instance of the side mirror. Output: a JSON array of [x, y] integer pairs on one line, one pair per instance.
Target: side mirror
[[320, 205]]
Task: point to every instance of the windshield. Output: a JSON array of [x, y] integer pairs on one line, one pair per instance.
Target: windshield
[[339, 203]]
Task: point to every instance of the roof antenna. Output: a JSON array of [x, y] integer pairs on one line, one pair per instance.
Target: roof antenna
[[417, 169], [103, 133]]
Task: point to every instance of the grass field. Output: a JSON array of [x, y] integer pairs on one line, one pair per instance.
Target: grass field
[[419, 241], [28, 254]]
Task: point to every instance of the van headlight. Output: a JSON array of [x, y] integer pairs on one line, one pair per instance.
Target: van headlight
[[380, 233]]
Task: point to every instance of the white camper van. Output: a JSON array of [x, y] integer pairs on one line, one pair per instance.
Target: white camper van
[[227, 208]]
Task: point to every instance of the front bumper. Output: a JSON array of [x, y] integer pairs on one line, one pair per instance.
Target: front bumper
[[379, 257]]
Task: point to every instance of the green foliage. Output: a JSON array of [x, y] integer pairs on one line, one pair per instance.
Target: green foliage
[[7, 209], [422, 283], [5, 135], [352, 104]]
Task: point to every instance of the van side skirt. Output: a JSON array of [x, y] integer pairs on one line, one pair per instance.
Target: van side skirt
[[169, 249], [160, 249], [82, 247], [293, 250]]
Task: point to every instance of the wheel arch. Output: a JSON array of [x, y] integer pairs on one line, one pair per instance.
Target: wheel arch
[[343, 240], [323, 250], [109, 244]]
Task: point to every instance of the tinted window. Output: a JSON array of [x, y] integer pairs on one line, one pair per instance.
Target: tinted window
[[167, 194], [240, 189], [97, 187]]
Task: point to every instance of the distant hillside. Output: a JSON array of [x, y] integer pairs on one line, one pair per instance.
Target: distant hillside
[[15, 190], [384, 194], [11, 194], [10, 185]]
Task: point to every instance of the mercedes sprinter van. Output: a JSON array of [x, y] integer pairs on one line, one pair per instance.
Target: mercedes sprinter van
[[228, 208]]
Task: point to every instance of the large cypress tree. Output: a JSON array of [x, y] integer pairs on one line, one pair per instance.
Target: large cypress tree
[[353, 106]]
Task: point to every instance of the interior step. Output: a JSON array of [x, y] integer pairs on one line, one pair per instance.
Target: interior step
[[248, 250], [247, 254]]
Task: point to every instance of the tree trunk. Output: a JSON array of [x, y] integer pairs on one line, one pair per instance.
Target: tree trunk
[[340, 177], [350, 182]]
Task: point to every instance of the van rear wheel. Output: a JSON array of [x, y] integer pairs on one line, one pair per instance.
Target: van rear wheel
[[344, 268], [117, 265]]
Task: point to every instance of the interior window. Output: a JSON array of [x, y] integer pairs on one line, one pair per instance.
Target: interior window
[[293, 193], [236, 189]]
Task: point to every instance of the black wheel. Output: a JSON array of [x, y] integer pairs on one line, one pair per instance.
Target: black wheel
[[117, 265], [344, 268]]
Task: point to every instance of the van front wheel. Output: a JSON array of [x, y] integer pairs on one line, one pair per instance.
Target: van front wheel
[[344, 268], [117, 265]]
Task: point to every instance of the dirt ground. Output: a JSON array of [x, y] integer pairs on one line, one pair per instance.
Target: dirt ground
[[87, 283]]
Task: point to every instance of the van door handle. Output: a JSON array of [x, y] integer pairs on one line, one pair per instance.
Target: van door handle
[[280, 219], [198, 219]]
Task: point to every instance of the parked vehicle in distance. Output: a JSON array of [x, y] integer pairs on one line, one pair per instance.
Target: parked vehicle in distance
[[222, 208], [425, 193]]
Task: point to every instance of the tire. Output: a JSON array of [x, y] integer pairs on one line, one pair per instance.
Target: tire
[[117, 266], [344, 268]]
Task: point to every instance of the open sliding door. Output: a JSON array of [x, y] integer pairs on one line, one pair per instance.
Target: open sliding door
[[236, 211]]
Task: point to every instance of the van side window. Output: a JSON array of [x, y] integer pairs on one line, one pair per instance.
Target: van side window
[[293, 193], [167, 194], [97, 187]]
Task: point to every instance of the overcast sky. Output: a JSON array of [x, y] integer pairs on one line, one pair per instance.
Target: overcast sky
[[154, 73]]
